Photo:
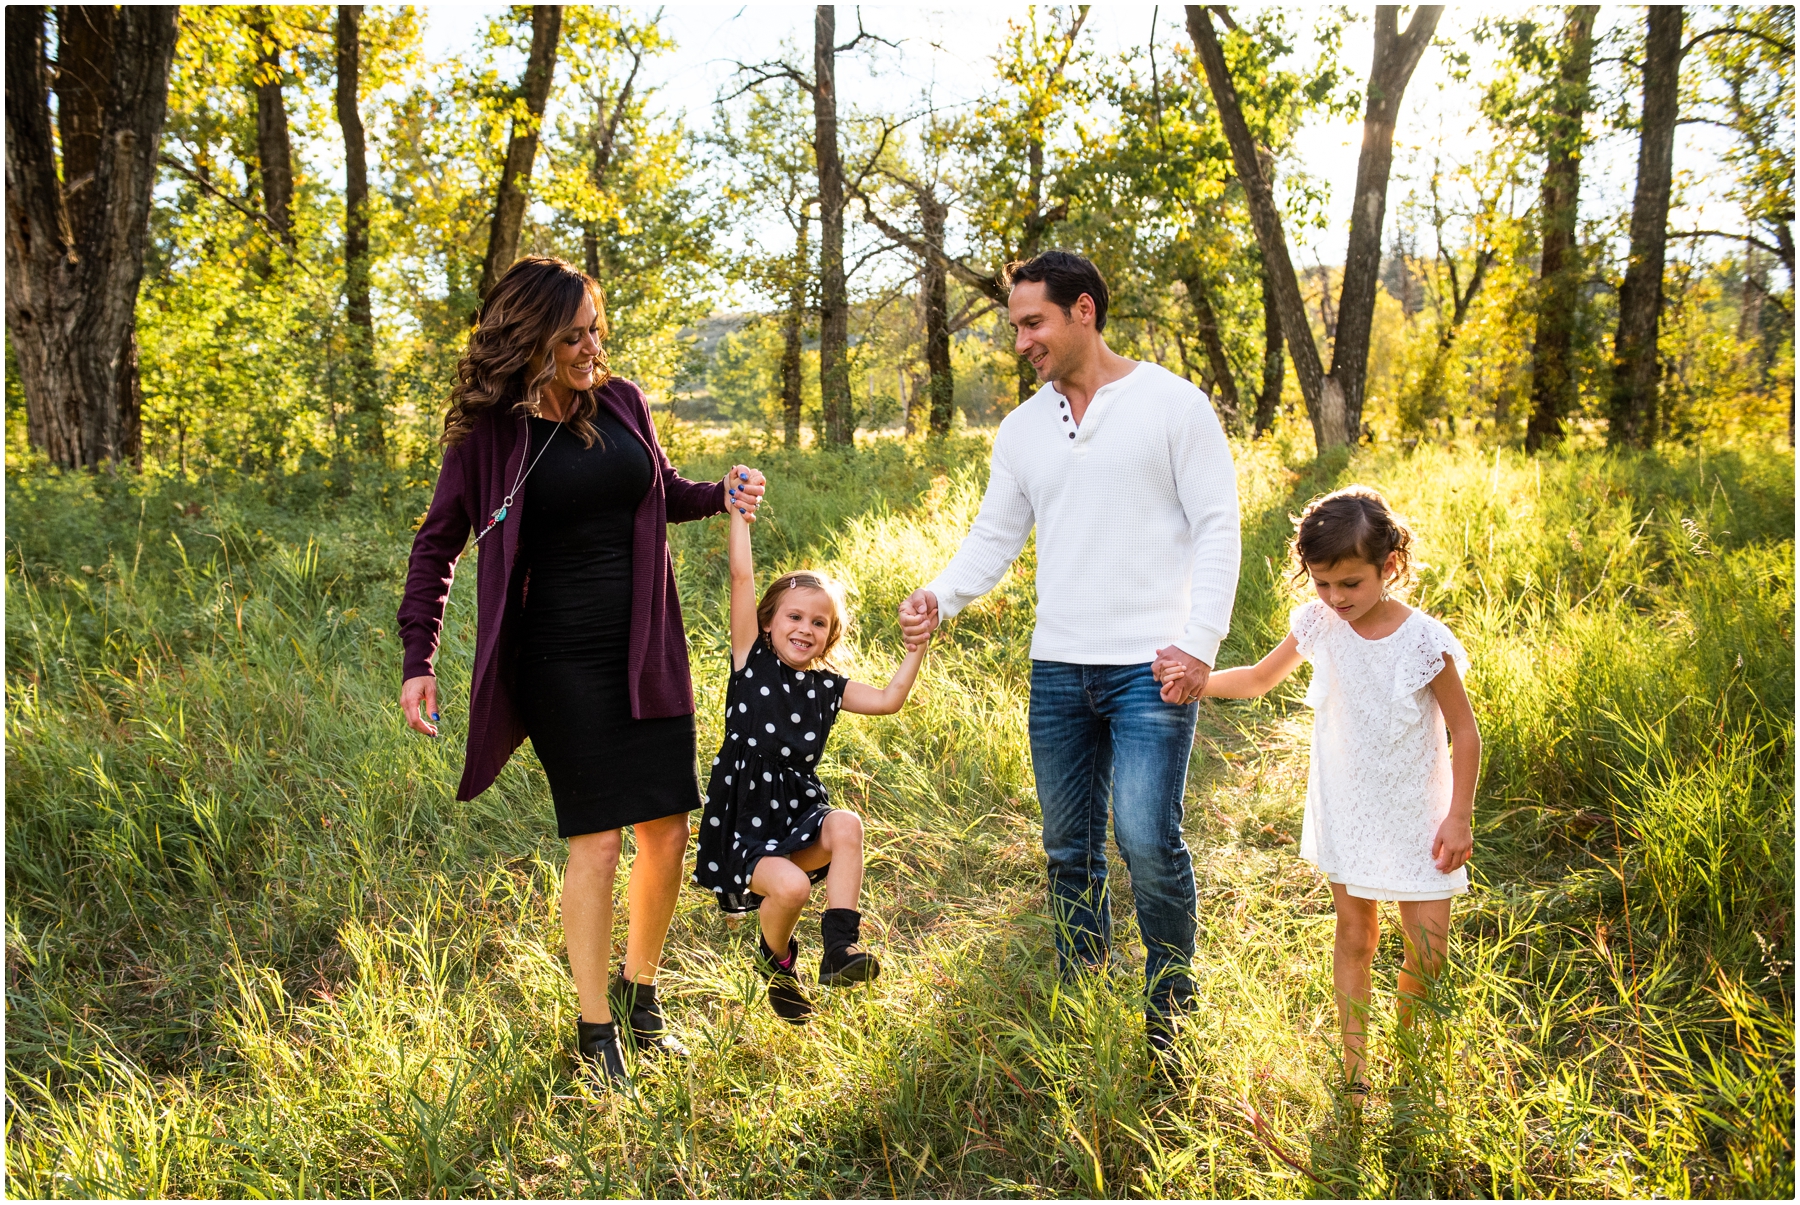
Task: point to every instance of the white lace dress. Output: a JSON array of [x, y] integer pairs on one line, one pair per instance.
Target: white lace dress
[[1380, 780]]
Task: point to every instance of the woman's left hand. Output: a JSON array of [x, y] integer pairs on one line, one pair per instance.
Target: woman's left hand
[[744, 491], [1454, 843]]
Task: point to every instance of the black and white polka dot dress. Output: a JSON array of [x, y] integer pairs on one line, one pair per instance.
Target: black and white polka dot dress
[[764, 796]]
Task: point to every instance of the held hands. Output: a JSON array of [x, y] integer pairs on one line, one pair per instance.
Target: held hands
[[420, 695], [918, 618], [744, 491], [1454, 843], [1183, 675]]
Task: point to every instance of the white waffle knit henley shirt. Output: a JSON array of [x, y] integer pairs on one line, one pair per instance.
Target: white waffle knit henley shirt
[[1137, 522]]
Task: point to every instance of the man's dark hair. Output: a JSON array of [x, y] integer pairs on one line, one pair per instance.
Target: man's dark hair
[[1065, 277]]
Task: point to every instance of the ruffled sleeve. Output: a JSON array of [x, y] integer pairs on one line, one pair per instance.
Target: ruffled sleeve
[[1421, 660], [1307, 622]]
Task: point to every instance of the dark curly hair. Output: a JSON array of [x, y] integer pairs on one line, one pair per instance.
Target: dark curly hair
[[508, 358], [1352, 523]]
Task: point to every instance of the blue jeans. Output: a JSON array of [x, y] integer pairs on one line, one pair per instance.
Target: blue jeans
[[1101, 734]]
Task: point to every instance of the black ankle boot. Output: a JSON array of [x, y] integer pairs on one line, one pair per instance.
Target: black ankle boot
[[1165, 1063], [842, 962], [597, 1043], [636, 1002], [785, 994]]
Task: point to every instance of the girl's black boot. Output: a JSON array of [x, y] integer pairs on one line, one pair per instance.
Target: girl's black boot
[[597, 1042], [636, 1002], [785, 994], [842, 961]]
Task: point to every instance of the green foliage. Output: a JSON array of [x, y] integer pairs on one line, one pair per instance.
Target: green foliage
[[1160, 207], [1749, 85], [744, 376], [255, 948], [245, 358], [242, 344]]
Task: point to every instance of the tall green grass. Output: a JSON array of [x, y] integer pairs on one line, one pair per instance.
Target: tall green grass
[[254, 947]]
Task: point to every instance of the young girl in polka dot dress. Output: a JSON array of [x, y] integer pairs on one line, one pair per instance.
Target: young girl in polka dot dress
[[769, 832]]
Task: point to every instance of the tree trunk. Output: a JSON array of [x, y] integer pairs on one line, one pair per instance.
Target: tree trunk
[[1328, 319], [75, 240], [1265, 218], [1030, 244], [935, 286], [1636, 371], [792, 332], [521, 148], [365, 400], [604, 133], [834, 303], [274, 148], [1333, 402], [1559, 273], [1225, 393], [1396, 56], [1273, 368]]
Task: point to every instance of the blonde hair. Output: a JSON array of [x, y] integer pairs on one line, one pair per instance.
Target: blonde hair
[[804, 579]]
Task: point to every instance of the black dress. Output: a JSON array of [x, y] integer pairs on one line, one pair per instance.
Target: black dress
[[765, 796], [606, 769]]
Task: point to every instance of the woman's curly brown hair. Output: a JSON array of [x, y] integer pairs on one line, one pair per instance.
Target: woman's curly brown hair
[[508, 359], [1352, 523]]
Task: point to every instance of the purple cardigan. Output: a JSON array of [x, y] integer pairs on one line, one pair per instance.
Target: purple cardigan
[[474, 478]]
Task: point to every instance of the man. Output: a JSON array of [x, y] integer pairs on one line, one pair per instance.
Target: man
[[1124, 470]]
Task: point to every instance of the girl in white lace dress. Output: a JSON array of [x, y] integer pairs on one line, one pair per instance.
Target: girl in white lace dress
[[1388, 799]]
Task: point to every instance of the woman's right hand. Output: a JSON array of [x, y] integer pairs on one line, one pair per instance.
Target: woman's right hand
[[416, 695]]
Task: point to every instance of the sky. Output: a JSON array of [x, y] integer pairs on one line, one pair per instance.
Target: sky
[[949, 52]]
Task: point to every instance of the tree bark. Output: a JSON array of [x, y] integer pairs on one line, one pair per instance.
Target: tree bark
[[274, 147], [1636, 371], [1559, 272], [792, 332], [834, 303], [365, 400], [1273, 367], [1265, 219], [1225, 392], [604, 133], [935, 287], [1334, 402], [75, 240], [1031, 242], [1396, 57], [521, 147]]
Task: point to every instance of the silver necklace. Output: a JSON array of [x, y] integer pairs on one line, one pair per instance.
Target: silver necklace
[[495, 519]]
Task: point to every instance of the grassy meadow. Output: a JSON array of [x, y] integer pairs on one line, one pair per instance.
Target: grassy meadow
[[255, 948]]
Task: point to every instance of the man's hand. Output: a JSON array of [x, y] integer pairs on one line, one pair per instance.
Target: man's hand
[[918, 618], [1183, 675], [420, 695], [744, 491]]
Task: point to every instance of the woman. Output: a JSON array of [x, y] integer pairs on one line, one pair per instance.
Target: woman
[[555, 465]]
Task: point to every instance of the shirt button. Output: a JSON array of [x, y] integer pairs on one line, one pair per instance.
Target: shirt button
[[1065, 418], [1071, 435]]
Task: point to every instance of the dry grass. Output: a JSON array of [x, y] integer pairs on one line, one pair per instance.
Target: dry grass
[[254, 948]]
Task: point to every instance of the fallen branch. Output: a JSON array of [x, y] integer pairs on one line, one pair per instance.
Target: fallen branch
[[1266, 1136]]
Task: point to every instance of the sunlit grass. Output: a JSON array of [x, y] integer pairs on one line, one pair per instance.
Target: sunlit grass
[[254, 947]]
